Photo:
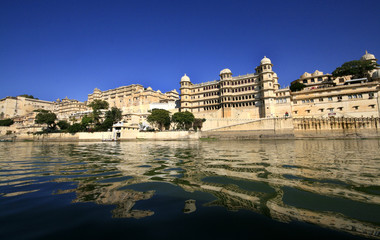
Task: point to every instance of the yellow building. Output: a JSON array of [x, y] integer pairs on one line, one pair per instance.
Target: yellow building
[[250, 96], [258, 95], [66, 108], [133, 98], [346, 97], [11, 107]]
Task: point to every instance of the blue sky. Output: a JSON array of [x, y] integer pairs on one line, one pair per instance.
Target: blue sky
[[53, 49]]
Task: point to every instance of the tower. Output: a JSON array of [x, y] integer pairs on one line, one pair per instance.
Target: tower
[[268, 81], [225, 92], [185, 93]]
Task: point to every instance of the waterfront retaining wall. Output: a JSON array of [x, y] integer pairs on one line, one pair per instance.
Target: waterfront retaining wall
[[336, 127]]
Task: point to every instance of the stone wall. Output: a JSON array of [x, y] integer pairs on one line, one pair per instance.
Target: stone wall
[[336, 127], [254, 129], [99, 136]]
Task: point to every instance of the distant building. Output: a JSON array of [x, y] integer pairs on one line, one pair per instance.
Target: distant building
[[347, 97], [258, 95], [11, 107], [250, 96], [66, 108], [133, 98]]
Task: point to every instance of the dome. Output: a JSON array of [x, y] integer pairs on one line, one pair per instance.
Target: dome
[[367, 56], [376, 74], [158, 91], [149, 88], [265, 60], [226, 70], [275, 75], [185, 78]]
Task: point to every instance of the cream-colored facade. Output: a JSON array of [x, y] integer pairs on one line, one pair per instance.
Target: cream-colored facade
[[258, 95], [251, 96], [66, 108], [134, 98], [11, 107], [348, 98]]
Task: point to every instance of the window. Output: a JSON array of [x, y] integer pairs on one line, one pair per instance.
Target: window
[[355, 107], [349, 96], [319, 79], [341, 80], [331, 109], [305, 81], [339, 98], [372, 106], [360, 96], [371, 95], [312, 80], [321, 109], [295, 112], [321, 99], [308, 111], [294, 102], [330, 98], [340, 108]]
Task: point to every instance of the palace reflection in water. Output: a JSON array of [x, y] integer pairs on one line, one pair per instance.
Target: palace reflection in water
[[331, 183]]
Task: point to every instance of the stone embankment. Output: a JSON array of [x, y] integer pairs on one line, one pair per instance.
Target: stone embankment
[[269, 128], [336, 127]]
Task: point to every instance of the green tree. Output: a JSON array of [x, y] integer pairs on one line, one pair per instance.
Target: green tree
[[198, 123], [46, 118], [104, 126], [27, 96], [159, 117], [76, 127], [114, 114], [297, 86], [96, 105], [63, 125], [184, 120], [356, 68], [86, 121], [6, 122]]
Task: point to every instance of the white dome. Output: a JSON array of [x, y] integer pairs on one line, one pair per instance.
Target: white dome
[[226, 70], [149, 88], [367, 56], [265, 60], [158, 91], [185, 78], [275, 75], [376, 74]]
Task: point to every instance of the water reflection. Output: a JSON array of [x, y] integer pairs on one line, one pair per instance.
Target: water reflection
[[331, 183]]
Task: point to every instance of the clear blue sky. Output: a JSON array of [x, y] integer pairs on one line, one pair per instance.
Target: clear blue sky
[[53, 49]]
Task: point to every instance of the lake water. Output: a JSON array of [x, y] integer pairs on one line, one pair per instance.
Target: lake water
[[274, 189]]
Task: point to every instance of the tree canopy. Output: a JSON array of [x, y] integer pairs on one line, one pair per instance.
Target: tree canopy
[[297, 86], [27, 96], [184, 120], [114, 114], [198, 123], [96, 105], [356, 68], [46, 118], [63, 125], [159, 117], [6, 122]]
